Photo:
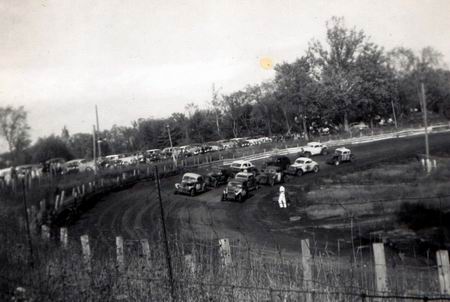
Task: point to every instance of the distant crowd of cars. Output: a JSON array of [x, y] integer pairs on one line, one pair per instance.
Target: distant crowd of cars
[[242, 177], [59, 166]]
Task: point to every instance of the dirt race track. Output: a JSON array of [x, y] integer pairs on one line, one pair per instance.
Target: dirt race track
[[134, 213]]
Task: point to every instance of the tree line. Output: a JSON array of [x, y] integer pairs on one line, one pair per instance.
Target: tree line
[[347, 79]]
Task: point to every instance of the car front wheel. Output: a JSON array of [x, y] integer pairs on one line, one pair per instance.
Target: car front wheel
[[316, 169], [192, 192], [299, 172]]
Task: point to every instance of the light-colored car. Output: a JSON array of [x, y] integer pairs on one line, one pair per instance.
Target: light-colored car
[[341, 155], [191, 184], [241, 164], [303, 165], [314, 148]]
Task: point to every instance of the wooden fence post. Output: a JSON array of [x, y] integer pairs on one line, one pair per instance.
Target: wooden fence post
[[86, 249], [45, 232], [56, 202], [63, 195], [63, 238], [120, 254], [307, 271], [190, 263], [225, 252], [380, 268], [444, 271], [146, 250]]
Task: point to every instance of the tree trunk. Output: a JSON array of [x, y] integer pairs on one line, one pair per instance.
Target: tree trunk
[[346, 127], [235, 133], [305, 129], [371, 124], [218, 125], [287, 122]]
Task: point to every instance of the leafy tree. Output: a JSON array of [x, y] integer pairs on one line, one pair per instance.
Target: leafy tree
[[335, 64], [80, 145], [14, 129], [50, 147]]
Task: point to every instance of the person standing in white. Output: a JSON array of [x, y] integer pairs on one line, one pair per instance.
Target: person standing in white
[[282, 198]]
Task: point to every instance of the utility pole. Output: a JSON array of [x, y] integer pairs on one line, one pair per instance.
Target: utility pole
[[171, 145], [425, 122], [394, 115], [27, 221], [98, 131], [166, 242], [94, 141]]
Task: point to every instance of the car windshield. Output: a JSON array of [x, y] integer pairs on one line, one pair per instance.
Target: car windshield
[[189, 179], [235, 165], [235, 185], [299, 161], [338, 152]]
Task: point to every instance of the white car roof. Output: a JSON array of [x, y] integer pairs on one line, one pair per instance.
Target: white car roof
[[303, 158], [241, 162], [342, 149], [313, 143], [194, 175], [245, 174]]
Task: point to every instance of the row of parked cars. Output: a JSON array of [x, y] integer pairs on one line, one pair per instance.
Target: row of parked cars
[[242, 176]]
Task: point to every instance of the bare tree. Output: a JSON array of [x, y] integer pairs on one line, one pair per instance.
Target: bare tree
[[14, 129]]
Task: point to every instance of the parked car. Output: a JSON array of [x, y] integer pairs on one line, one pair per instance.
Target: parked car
[[74, 166], [313, 148], [218, 176], [341, 155], [241, 166], [236, 189], [281, 161], [271, 175], [252, 183], [359, 126], [54, 165], [303, 165], [191, 184]]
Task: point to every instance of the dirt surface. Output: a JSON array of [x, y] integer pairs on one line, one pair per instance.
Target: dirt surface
[[134, 213]]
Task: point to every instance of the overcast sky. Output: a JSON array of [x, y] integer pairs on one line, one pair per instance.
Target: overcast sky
[[150, 58]]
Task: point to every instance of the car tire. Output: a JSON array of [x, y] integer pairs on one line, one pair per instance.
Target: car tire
[[324, 152], [239, 198], [316, 169], [299, 172], [192, 192]]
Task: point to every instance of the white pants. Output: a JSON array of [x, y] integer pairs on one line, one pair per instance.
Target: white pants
[[282, 200]]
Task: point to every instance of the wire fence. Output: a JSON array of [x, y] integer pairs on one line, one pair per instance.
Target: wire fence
[[132, 272]]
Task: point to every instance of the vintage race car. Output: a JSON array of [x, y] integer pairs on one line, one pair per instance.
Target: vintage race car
[[218, 176], [281, 161], [313, 148], [271, 175], [303, 165], [191, 184], [341, 155], [236, 189], [250, 178]]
